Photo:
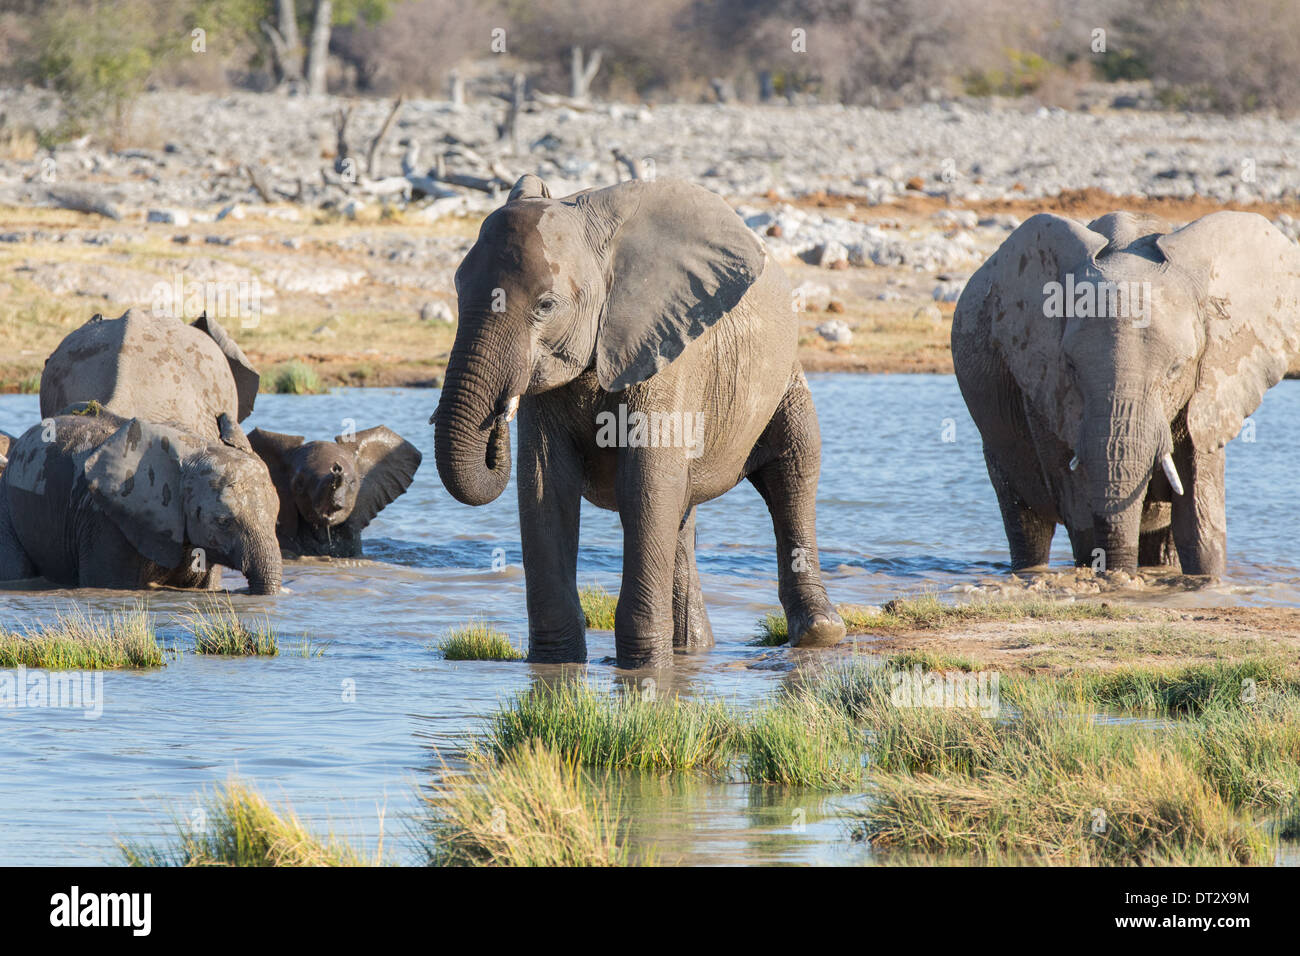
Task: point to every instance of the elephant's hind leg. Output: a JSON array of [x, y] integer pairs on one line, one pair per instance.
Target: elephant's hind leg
[[691, 630], [1029, 534], [787, 480], [14, 563]]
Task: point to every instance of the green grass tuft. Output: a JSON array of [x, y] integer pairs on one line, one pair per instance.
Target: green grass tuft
[[218, 630], [478, 642], [296, 378], [240, 828], [532, 808], [598, 607], [123, 640]]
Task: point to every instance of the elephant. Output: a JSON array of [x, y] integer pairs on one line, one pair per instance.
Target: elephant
[[6, 440], [330, 491], [93, 499], [154, 367], [648, 344], [1106, 366]]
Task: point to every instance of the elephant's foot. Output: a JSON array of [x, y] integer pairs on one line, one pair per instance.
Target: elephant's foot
[[638, 652], [554, 649], [815, 623]]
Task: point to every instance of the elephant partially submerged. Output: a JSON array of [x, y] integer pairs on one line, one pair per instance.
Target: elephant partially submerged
[[649, 345], [92, 499], [153, 367], [1106, 367], [330, 490]]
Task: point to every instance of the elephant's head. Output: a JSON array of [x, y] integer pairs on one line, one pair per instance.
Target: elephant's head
[[170, 491], [1127, 338], [617, 280], [327, 483]]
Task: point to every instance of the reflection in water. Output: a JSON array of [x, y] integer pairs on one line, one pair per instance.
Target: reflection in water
[[352, 733]]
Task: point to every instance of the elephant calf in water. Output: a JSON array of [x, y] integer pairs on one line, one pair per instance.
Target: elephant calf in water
[[648, 343], [91, 499], [1106, 367], [330, 490]]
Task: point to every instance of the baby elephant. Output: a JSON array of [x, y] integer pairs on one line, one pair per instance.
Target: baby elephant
[[91, 499], [329, 491]]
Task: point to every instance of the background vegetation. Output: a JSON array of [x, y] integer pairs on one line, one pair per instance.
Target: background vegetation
[[1198, 54]]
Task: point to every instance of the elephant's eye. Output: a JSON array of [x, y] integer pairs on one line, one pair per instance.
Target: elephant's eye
[[546, 306]]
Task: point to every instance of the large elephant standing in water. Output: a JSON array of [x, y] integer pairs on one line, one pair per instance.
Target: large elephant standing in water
[[153, 367], [649, 346], [1108, 365]]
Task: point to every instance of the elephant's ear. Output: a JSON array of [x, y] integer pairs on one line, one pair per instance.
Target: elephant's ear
[[1012, 296], [231, 434], [247, 378], [135, 477], [274, 449], [386, 463], [1246, 276], [678, 260], [529, 186]]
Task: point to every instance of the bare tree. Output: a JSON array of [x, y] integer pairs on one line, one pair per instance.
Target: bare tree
[[580, 75], [318, 52], [286, 48]]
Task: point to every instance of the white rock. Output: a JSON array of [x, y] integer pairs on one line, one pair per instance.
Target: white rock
[[174, 217], [437, 311], [835, 331]]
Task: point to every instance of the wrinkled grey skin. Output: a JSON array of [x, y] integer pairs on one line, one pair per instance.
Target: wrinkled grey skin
[[152, 367], [111, 502], [5, 441], [652, 294], [1224, 321], [330, 490]]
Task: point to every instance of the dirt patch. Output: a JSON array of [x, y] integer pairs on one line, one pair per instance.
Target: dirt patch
[[1147, 637]]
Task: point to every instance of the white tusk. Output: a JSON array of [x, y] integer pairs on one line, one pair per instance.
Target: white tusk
[[513, 407], [1074, 462], [1167, 463]]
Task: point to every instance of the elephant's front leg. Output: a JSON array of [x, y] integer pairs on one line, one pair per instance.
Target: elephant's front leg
[[1199, 520], [550, 494], [651, 495], [690, 619], [787, 482]]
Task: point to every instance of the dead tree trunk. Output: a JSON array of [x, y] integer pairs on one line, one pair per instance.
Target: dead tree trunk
[[580, 74], [509, 130], [319, 51], [456, 89], [286, 47]]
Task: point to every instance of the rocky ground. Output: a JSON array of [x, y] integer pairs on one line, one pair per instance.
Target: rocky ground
[[879, 216]]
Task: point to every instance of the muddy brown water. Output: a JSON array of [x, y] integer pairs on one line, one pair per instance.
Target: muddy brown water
[[351, 735]]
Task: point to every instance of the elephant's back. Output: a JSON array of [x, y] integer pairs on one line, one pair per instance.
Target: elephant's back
[[142, 366]]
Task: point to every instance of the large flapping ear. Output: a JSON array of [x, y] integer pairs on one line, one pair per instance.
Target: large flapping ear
[[678, 260], [1009, 296], [386, 464], [1246, 277], [529, 186], [136, 478], [247, 379]]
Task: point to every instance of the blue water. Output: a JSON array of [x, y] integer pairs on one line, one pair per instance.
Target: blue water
[[900, 509]]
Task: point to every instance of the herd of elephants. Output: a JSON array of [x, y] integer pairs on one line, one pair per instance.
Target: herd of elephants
[[1105, 364]]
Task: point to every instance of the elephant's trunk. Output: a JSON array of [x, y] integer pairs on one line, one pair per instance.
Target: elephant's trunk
[[1122, 445], [263, 568], [471, 436]]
